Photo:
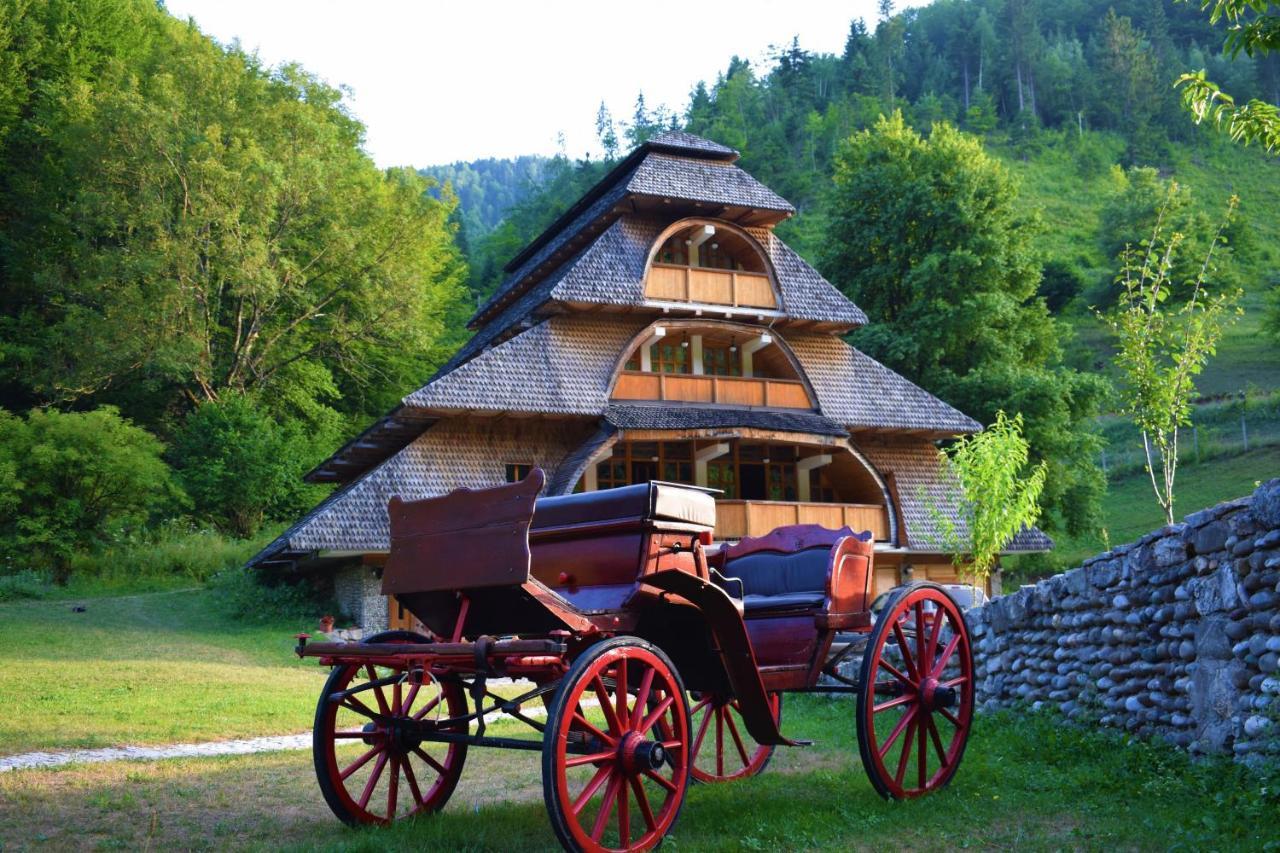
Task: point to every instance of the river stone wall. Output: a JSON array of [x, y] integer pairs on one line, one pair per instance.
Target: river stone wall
[[1176, 635]]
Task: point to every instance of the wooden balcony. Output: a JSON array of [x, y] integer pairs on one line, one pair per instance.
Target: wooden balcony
[[723, 390], [710, 286], [736, 519]]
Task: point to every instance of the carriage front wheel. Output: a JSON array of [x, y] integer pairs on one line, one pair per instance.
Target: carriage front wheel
[[915, 706], [616, 757], [371, 764]]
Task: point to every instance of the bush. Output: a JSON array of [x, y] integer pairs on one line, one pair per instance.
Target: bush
[[68, 481], [175, 554], [1059, 284], [25, 584], [240, 465], [251, 595]]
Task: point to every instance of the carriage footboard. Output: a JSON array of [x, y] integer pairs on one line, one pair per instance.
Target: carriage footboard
[[735, 651]]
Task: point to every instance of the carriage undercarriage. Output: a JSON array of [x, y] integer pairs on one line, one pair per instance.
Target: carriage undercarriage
[[680, 681]]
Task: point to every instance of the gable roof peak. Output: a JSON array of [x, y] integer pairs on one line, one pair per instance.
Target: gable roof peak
[[689, 145]]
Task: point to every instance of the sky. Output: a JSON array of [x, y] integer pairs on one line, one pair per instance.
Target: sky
[[436, 82]]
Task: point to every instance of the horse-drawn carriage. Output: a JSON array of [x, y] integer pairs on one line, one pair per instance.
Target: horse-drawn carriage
[[649, 659]]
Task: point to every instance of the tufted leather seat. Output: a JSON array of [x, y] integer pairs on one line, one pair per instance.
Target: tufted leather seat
[[777, 581]]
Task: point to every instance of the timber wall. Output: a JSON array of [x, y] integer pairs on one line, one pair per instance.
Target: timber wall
[[1175, 635]]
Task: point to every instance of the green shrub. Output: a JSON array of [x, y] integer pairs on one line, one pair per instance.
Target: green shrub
[[69, 481], [241, 465], [174, 555], [25, 584], [250, 595]]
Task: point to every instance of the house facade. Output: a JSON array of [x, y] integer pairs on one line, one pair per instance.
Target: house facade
[[659, 329]]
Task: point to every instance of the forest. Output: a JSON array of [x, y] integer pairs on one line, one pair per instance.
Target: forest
[[207, 284]]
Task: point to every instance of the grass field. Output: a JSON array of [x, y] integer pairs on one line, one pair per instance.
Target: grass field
[[1026, 784], [1129, 508], [164, 668], [145, 669]]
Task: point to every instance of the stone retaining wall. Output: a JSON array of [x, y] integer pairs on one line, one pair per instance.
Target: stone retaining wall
[[1175, 635]]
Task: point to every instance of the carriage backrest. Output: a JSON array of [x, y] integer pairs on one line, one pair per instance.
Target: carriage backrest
[[465, 539]]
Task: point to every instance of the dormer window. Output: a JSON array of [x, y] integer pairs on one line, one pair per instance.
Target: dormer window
[[712, 263]]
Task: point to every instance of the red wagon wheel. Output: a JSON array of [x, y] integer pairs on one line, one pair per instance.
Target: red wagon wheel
[[371, 766], [615, 760], [915, 707], [722, 749]]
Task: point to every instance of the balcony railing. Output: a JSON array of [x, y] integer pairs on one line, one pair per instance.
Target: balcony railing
[[710, 286], [723, 390], [736, 518]]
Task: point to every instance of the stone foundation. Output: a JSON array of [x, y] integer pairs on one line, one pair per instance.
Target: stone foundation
[[1176, 635], [359, 594]]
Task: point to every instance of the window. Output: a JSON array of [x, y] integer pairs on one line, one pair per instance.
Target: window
[[670, 358], [517, 471], [721, 360], [720, 476]]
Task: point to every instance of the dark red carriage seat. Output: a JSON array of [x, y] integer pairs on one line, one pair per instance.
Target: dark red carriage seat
[[652, 501], [774, 577]]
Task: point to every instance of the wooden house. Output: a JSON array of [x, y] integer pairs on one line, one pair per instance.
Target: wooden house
[[659, 329]]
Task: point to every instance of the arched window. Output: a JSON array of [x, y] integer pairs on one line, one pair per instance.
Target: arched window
[[710, 262]]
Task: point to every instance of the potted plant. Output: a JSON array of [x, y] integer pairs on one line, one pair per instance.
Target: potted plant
[[326, 624]]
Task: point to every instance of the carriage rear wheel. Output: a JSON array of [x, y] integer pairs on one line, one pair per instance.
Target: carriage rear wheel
[[615, 758], [722, 751], [915, 707], [371, 766]]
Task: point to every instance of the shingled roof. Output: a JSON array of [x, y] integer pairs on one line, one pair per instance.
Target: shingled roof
[[673, 166], [860, 392]]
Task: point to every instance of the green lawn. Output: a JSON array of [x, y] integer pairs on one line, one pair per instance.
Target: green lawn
[[145, 669], [1026, 784], [1129, 508]]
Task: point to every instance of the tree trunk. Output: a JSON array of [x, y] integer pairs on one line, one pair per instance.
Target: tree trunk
[[1018, 73], [966, 85]]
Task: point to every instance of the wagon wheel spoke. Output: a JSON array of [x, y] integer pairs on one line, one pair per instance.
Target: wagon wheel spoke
[[351, 703], [737, 739], [642, 800], [906, 751], [904, 648], [428, 760], [624, 810], [412, 779], [922, 655], [360, 762], [592, 758], [937, 740], [934, 635], [620, 694], [922, 748], [666, 783], [897, 731], [945, 657], [720, 741], [602, 775], [429, 707], [586, 724], [893, 703], [357, 734], [606, 706], [393, 788], [606, 806], [955, 682], [951, 718], [642, 700], [373, 781], [655, 714], [408, 698], [702, 731], [897, 673], [377, 691]]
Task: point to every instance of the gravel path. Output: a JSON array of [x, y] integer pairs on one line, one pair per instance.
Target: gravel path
[[43, 760], [275, 743]]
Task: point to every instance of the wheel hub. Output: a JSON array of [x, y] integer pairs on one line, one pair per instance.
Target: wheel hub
[[638, 754], [934, 696], [403, 735]]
